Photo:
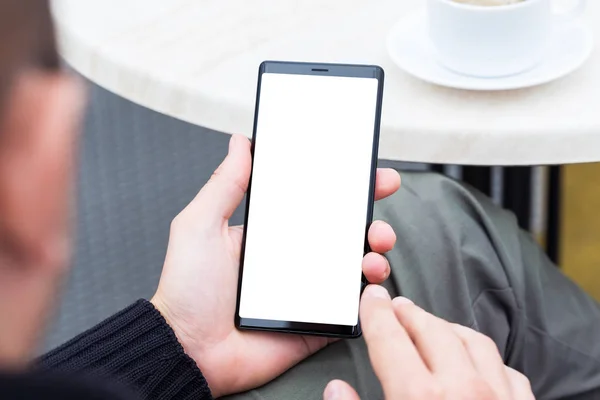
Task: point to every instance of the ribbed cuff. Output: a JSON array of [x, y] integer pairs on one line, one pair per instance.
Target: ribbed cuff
[[137, 347]]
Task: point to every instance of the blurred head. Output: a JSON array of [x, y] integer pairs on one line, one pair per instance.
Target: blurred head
[[40, 108]]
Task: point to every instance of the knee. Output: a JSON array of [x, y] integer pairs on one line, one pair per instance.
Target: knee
[[434, 210], [425, 210], [439, 197], [438, 190], [426, 194], [448, 242]]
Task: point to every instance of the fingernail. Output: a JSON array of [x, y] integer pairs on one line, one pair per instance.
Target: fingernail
[[377, 291], [332, 391], [402, 301]]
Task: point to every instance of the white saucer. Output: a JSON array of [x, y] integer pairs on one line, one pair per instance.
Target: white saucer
[[409, 47]]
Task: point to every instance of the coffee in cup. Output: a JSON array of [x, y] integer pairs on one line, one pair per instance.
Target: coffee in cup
[[471, 37]]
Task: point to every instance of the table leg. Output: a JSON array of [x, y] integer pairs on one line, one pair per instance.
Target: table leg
[[517, 193], [554, 213], [439, 168], [478, 177]]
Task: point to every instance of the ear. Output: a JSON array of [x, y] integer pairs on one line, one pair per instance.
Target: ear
[[38, 142]]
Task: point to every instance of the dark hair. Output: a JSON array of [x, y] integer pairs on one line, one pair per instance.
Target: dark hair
[[27, 40]]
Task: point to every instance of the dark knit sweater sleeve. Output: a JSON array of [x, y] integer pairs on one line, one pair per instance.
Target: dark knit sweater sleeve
[[138, 348]]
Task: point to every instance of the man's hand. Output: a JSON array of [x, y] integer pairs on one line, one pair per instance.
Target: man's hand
[[418, 356], [198, 288]]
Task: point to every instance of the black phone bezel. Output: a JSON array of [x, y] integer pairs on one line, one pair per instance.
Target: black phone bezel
[[322, 69]]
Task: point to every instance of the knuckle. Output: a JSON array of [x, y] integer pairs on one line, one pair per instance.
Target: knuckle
[[477, 388], [180, 225], [525, 381], [520, 379], [177, 222], [485, 343]]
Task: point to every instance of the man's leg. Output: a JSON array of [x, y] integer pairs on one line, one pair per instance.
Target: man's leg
[[465, 260]]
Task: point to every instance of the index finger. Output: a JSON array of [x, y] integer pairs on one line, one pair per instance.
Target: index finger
[[387, 182], [395, 359]]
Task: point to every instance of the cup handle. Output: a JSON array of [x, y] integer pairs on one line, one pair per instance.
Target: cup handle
[[574, 12]]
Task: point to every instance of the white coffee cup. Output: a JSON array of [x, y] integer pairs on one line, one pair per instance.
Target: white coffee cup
[[494, 41]]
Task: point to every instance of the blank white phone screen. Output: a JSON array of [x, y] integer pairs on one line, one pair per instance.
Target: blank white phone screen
[[309, 199]]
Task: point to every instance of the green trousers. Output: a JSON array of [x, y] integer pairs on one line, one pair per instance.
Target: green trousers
[[464, 259]]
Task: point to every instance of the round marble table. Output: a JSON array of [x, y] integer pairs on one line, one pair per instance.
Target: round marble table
[[197, 61]]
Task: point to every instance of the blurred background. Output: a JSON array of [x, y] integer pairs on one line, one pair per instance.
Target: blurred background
[[581, 226]]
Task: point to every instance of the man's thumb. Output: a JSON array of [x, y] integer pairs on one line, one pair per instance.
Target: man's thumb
[[226, 188], [339, 390]]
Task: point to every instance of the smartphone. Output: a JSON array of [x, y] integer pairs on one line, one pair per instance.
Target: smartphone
[[310, 200]]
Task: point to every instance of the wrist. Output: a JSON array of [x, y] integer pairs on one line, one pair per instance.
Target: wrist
[[186, 341], [171, 320]]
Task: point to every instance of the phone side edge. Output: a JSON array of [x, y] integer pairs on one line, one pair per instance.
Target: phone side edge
[[379, 74], [237, 319]]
